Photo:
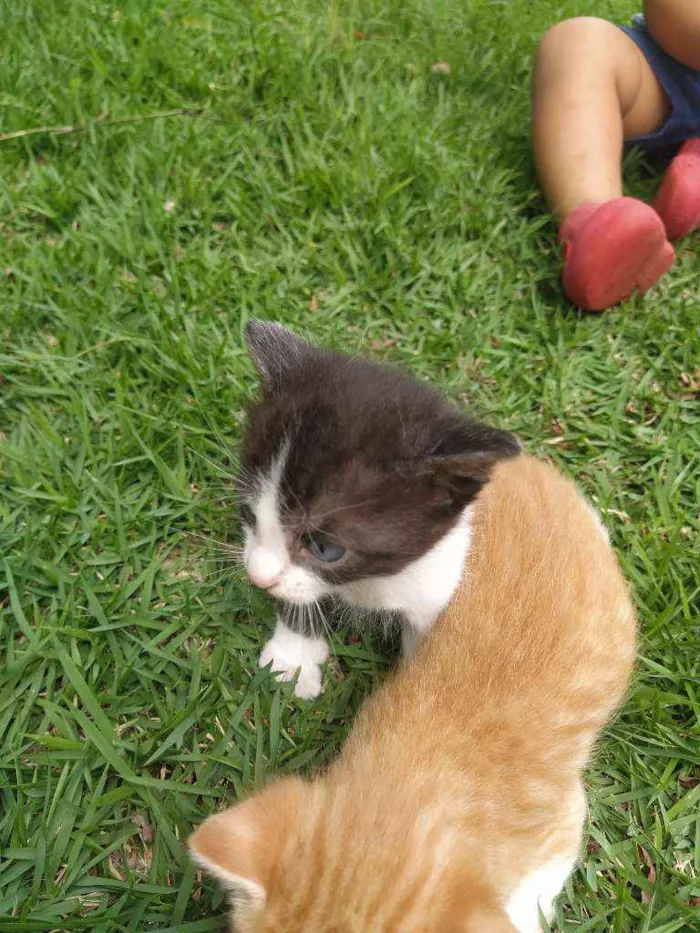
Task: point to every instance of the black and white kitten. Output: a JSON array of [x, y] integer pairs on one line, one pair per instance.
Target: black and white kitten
[[356, 482]]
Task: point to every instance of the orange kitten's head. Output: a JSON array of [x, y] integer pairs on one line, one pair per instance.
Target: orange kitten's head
[[294, 863]]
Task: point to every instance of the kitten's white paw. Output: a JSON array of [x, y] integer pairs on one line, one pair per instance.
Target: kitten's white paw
[[309, 682], [290, 652]]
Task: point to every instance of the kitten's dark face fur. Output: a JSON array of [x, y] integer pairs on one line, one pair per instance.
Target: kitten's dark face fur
[[366, 468]]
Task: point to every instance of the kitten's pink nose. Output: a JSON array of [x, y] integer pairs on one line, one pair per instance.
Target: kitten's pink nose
[[264, 569], [265, 583]]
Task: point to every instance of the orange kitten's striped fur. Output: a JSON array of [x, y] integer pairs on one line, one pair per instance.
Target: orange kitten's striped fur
[[456, 804]]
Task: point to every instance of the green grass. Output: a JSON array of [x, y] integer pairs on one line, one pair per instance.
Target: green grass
[[336, 182]]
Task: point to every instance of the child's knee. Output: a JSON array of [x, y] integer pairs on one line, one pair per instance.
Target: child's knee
[[572, 42]]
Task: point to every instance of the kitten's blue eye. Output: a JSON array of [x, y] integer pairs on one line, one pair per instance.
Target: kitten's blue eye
[[324, 550]]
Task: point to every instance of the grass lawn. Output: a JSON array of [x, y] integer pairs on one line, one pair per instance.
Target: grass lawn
[[336, 181]]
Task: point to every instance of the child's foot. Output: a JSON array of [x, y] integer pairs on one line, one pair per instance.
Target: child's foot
[[612, 251], [678, 200]]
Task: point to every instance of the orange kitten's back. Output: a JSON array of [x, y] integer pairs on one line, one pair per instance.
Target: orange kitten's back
[[541, 633], [456, 803]]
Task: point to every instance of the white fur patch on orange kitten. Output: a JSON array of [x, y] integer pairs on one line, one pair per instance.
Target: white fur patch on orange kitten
[[456, 805]]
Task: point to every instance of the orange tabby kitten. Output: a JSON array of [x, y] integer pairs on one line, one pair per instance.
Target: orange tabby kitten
[[456, 805]]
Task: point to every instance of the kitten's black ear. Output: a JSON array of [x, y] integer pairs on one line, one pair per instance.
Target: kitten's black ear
[[274, 350], [464, 473]]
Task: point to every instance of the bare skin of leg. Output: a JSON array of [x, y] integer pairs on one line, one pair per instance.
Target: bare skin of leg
[[592, 89]]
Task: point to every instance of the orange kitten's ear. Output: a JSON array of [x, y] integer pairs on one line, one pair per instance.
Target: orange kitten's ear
[[239, 846]]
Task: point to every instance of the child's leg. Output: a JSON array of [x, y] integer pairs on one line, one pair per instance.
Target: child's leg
[[592, 89]]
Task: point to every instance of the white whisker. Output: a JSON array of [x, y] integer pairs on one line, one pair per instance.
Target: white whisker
[[212, 542]]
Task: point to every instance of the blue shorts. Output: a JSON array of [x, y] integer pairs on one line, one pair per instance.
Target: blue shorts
[[682, 87]]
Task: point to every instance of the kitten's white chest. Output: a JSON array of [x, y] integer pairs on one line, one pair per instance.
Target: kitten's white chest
[[423, 589]]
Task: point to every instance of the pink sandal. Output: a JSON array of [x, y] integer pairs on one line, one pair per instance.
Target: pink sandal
[[678, 200], [613, 250]]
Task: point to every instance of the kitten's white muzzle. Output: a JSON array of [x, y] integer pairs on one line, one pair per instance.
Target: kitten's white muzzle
[[266, 555], [273, 573]]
